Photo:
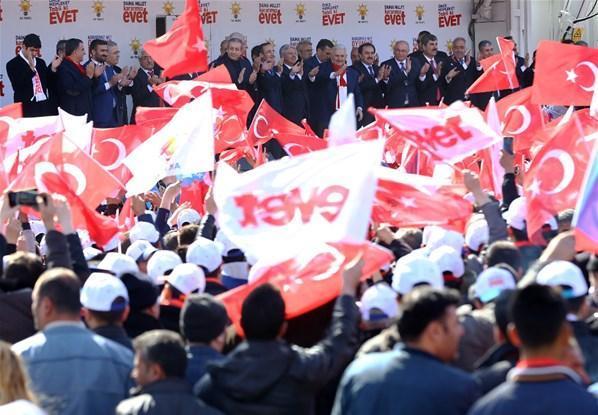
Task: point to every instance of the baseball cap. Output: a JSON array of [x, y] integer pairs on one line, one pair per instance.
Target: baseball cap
[[477, 234], [234, 262], [447, 259], [112, 244], [90, 253], [101, 291], [491, 282], [564, 274], [203, 318], [205, 253], [517, 212], [140, 250], [188, 216], [379, 302], [160, 263], [144, 231], [142, 293], [412, 270], [187, 278], [438, 237], [118, 264]]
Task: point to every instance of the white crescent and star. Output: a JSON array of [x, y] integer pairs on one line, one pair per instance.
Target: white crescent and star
[[568, 167], [258, 119], [290, 146], [122, 153], [527, 119], [592, 67], [44, 167]]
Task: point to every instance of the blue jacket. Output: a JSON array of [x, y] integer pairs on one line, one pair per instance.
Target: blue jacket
[[317, 118], [270, 85], [74, 90], [75, 371], [104, 100], [401, 87], [295, 100], [331, 91], [197, 359], [404, 381]]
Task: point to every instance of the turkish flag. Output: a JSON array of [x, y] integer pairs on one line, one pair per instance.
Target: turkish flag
[[8, 114], [232, 107], [297, 144], [309, 279], [156, 117], [181, 50], [408, 200], [24, 132], [178, 93], [499, 70], [217, 75], [554, 178], [520, 118], [267, 123], [110, 146], [126, 217], [194, 191], [564, 74]]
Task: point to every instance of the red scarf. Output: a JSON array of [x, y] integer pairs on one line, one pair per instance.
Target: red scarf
[[79, 67], [538, 362], [342, 80]]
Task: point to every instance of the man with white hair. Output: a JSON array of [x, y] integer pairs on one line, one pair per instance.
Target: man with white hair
[[295, 101]]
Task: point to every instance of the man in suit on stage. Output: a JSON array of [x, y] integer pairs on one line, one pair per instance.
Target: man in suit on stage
[[28, 75], [104, 95], [458, 74], [371, 80], [429, 84], [401, 82], [480, 100], [269, 80], [295, 101], [317, 76], [142, 88], [240, 70], [125, 84], [75, 81]]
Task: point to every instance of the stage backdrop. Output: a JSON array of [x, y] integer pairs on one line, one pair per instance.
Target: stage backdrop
[[130, 23]]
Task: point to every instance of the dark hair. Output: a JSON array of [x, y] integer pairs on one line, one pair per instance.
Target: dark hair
[[97, 42], [255, 51], [422, 34], [264, 44], [170, 241], [262, 313], [483, 44], [187, 234], [422, 307], [538, 312], [203, 318], [428, 38], [323, 44], [60, 46], [504, 252], [501, 311], [22, 270], [62, 287], [365, 45], [508, 37], [71, 46], [32, 41], [164, 348], [181, 251]]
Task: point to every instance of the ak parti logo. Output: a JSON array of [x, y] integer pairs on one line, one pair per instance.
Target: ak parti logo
[[235, 9], [25, 7]]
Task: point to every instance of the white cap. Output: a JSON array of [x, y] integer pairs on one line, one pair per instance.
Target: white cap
[[37, 226], [90, 252], [140, 250], [491, 282], [447, 259], [118, 264], [100, 290], [187, 278], [84, 238], [379, 296], [190, 216], [205, 253], [564, 273], [516, 215], [160, 263], [144, 231], [112, 244], [237, 269], [438, 237], [477, 234], [411, 270]]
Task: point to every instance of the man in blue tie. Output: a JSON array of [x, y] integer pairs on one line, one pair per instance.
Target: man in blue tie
[[104, 94]]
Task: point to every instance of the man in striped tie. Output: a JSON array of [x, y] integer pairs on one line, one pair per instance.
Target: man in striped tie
[[104, 95], [458, 74]]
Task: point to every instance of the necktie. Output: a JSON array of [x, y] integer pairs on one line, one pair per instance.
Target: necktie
[[402, 66], [150, 73], [371, 70], [433, 62]]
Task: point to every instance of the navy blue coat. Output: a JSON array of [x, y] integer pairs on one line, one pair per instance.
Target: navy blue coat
[[397, 90], [74, 90], [295, 100], [104, 100], [317, 106], [142, 96], [455, 90], [270, 86], [427, 89], [330, 91], [371, 91]]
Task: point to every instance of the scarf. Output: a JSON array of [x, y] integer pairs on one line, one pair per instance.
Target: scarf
[[77, 65], [341, 84]]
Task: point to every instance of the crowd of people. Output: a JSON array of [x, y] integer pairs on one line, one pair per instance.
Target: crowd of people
[[487, 321]]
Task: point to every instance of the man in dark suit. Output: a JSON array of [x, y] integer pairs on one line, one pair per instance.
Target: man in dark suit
[[104, 93], [269, 80], [520, 63], [125, 84], [240, 70], [401, 82], [341, 82], [295, 101], [458, 74], [75, 81], [28, 75], [317, 76], [53, 77], [429, 84], [371, 80], [142, 89], [485, 50]]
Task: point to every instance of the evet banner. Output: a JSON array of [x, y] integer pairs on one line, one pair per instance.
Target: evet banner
[[322, 196]]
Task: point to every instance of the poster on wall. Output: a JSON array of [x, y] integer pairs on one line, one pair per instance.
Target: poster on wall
[[132, 22]]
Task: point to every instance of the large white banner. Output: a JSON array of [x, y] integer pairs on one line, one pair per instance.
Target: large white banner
[[130, 23]]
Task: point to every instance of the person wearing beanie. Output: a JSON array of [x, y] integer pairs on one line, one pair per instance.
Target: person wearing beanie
[[144, 309], [203, 324]]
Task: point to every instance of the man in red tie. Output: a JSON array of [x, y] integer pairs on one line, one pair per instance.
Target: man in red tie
[[429, 81]]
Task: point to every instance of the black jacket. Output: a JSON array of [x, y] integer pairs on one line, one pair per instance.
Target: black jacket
[[142, 96], [21, 75], [295, 100], [122, 112], [455, 89], [274, 377], [269, 84], [371, 90], [169, 396], [492, 369], [588, 344], [74, 90], [429, 89], [401, 88]]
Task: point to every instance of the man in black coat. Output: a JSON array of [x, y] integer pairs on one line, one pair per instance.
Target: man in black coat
[[28, 75], [75, 81], [142, 88], [240, 70], [269, 80], [401, 83], [371, 80], [316, 77], [429, 84], [458, 74], [125, 85], [480, 100], [295, 101]]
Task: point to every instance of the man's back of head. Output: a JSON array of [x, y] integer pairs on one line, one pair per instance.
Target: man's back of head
[[504, 252], [262, 313], [56, 297], [21, 270]]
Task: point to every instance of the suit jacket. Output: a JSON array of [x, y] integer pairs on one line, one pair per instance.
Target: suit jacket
[[401, 87], [330, 91], [295, 100], [185, 76], [74, 90], [122, 112], [269, 84], [455, 89], [430, 89], [371, 90], [318, 112], [20, 76], [142, 95], [104, 100], [234, 69]]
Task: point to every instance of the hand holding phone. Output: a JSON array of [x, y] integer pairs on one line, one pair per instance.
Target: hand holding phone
[[507, 145]]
